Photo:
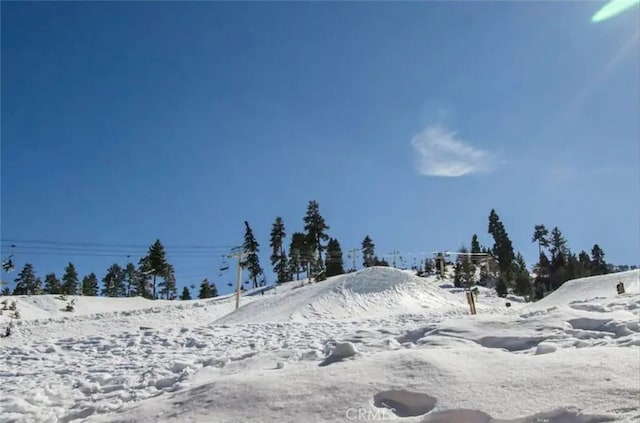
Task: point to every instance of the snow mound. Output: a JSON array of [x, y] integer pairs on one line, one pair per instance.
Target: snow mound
[[586, 290], [369, 293]]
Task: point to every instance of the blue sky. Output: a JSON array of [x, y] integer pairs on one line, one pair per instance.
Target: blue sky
[[408, 121]]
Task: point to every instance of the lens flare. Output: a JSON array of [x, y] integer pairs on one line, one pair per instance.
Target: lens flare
[[613, 8]]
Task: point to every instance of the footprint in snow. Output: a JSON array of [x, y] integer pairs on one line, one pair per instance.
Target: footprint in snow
[[405, 403]]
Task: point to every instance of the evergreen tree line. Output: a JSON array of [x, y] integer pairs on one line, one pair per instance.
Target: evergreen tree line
[[314, 253], [310, 252], [556, 264], [153, 277]]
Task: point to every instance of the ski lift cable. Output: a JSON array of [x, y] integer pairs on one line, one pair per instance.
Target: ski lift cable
[[27, 242], [198, 257], [100, 254], [130, 252], [112, 247]]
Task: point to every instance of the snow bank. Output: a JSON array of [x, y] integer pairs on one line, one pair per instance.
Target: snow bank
[[591, 288]]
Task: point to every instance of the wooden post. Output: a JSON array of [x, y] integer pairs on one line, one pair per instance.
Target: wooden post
[[471, 301]]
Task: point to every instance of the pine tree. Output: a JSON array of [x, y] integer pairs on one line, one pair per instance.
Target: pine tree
[[26, 282], [186, 295], [168, 284], [368, 252], [558, 245], [52, 284], [540, 235], [380, 262], [205, 290], [131, 280], [316, 232], [429, 266], [214, 290], [70, 280], [144, 283], [475, 249], [335, 261], [5, 292], [90, 285], [251, 249], [585, 263], [475, 245], [283, 269], [523, 281], [598, 264], [574, 268], [464, 269], [298, 254], [38, 289], [278, 255], [501, 286], [114, 282], [503, 251], [457, 278], [559, 258], [542, 281], [157, 263]]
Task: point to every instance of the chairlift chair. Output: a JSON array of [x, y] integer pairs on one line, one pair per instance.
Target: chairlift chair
[[224, 266], [7, 265]]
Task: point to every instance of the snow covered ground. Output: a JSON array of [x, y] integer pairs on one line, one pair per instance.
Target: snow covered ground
[[351, 348]]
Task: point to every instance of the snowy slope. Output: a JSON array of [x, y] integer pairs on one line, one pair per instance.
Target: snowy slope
[[110, 315], [37, 307], [51, 306], [276, 359]]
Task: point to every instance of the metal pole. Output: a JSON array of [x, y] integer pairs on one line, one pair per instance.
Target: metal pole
[[238, 253], [394, 252], [354, 257], [239, 282]]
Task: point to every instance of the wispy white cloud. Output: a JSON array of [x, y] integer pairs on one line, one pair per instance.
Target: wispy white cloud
[[441, 153]]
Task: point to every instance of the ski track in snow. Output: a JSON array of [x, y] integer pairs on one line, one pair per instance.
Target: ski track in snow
[[74, 368]]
